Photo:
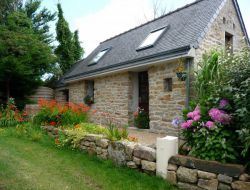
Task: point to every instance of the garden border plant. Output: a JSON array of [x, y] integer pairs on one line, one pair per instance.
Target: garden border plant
[[10, 115], [58, 114], [219, 118]]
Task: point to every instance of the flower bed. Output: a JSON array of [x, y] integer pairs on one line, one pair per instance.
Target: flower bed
[[216, 124], [57, 114], [11, 116]]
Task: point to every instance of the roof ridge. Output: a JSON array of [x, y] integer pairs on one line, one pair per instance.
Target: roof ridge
[[167, 14]]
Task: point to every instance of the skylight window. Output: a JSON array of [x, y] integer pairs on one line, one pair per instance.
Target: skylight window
[[151, 39], [98, 56]]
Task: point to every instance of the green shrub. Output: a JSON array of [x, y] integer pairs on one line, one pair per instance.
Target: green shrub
[[72, 137], [114, 133], [208, 133], [30, 131], [208, 76], [223, 86], [236, 88]]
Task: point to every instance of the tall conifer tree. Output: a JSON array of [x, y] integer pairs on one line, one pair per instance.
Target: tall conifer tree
[[78, 50], [69, 50]]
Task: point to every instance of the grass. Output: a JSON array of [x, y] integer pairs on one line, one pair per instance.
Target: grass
[[28, 165]]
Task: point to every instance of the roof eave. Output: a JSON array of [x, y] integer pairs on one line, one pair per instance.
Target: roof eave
[[132, 64]]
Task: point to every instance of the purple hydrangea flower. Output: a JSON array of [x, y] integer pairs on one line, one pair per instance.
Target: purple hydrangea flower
[[223, 103], [219, 116], [176, 122]]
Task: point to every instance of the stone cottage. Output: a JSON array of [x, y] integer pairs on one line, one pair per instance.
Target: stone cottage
[[138, 67]]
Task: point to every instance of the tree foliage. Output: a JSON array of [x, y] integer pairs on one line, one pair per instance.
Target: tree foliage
[[77, 49], [69, 50], [7, 7], [40, 19], [24, 58]]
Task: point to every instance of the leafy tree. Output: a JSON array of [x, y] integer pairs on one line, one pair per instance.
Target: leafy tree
[[40, 19], [40, 16], [69, 50], [7, 7], [24, 58]]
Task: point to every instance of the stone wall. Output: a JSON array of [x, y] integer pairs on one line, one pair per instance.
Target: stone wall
[[77, 92], [215, 37], [112, 94], [186, 172], [42, 92], [164, 105], [130, 154], [191, 173], [122, 153], [60, 96]]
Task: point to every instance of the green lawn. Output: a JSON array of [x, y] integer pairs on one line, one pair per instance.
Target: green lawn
[[28, 165]]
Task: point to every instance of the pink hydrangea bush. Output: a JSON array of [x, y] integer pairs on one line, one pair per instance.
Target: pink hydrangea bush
[[206, 129]]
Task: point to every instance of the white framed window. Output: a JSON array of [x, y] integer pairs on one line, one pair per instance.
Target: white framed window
[[152, 38], [98, 56]]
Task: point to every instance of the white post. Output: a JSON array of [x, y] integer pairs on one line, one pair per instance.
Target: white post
[[165, 148]]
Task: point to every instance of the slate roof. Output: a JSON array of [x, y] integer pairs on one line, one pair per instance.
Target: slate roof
[[187, 25]]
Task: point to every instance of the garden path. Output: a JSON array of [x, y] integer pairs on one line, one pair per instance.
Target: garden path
[[144, 136]]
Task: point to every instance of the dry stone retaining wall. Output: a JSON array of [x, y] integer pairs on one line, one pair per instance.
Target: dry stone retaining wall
[[187, 172], [130, 154], [196, 174], [123, 153]]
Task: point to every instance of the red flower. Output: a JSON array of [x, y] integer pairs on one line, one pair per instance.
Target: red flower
[[53, 123]]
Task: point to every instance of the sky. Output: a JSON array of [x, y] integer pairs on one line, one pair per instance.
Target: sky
[[98, 20]]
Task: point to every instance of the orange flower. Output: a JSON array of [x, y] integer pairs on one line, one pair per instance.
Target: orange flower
[[77, 126], [57, 141], [134, 139]]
